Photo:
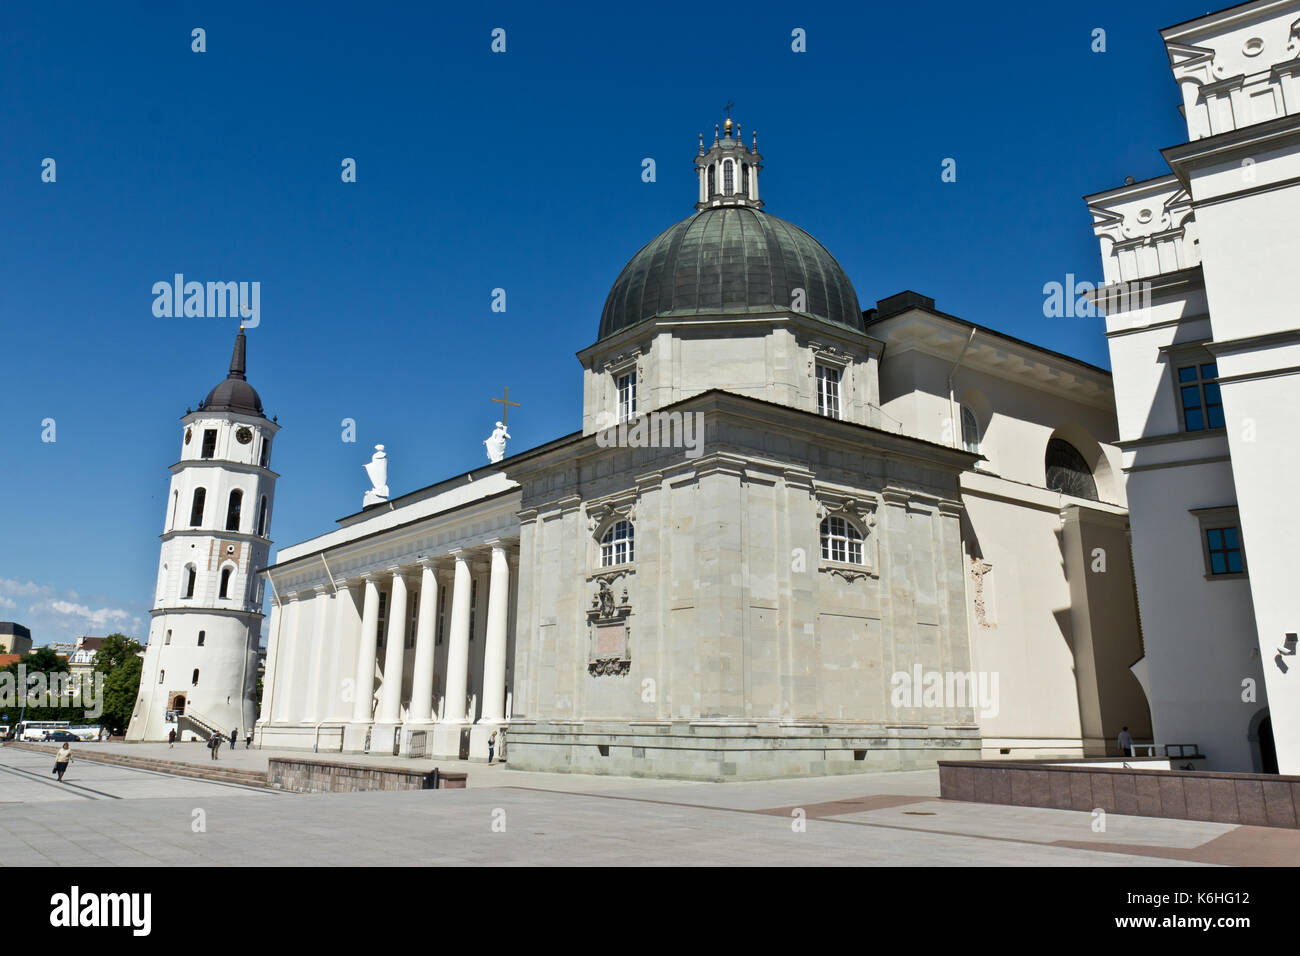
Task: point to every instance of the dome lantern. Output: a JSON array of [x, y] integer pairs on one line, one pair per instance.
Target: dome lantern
[[728, 170]]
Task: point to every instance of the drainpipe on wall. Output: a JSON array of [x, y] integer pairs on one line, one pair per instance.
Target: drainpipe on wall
[[953, 410], [275, 596]]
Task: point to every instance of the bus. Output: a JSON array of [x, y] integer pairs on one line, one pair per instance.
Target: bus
[[37, 729]]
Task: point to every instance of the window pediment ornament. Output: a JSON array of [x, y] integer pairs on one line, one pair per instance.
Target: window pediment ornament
[[861, 511], [623, 361], [832, 354], [600, 515]]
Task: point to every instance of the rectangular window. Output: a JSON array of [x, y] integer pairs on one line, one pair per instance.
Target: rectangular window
[[626, 397], [414, 621], [209, 442], [828, 391], [442, 612], [473, 605], [1221, 542], [1224, 546], [1198, 395]]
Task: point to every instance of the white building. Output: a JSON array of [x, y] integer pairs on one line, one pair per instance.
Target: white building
[[200, 665], [779, 511], [1205, 347]]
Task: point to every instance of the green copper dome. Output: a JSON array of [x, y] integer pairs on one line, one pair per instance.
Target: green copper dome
[[730, 260]]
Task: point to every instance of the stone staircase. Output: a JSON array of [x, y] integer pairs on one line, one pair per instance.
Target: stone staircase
[[201, 725], [248, 778]]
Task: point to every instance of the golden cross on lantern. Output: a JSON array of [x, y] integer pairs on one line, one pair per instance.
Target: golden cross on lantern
[[506, 403]]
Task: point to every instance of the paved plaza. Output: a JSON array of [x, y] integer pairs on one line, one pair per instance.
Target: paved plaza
[[113, 816]]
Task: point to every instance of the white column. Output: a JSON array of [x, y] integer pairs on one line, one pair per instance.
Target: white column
[[347, 631], [319, 654], [494, 649], [284, 691], [422, 679], [458, 649], [272, 649], [365, 675], [390, 701]]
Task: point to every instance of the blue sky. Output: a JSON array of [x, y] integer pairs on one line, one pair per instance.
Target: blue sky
[[478, 170]]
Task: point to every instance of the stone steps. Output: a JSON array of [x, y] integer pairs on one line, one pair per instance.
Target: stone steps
[[249, 778]]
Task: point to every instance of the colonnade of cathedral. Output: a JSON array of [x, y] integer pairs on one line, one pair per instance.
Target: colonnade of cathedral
[[331, 644]]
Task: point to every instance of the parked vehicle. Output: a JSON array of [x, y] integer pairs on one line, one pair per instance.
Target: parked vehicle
[[59, 736], [38, 729]]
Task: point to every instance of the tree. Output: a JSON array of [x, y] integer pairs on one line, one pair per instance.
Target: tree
[[121, 685], [41, 660], [116, 650]]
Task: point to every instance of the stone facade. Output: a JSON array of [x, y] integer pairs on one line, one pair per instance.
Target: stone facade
[[748, 654]]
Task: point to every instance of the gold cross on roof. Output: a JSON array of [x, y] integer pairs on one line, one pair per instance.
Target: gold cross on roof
[[506, 403]]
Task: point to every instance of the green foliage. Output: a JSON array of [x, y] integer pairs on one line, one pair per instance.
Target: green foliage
[[121, 685], [118, 663], [117, 650]]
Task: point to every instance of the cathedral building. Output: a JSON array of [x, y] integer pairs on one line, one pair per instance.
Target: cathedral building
[[1204, 341], [201, 660], [789, 537]]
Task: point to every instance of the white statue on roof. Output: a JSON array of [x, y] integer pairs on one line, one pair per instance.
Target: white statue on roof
[[377, 469], [496, 443]]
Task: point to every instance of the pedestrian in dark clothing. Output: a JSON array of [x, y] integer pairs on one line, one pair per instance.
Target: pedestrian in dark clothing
[[171, 739], [234, 735], [214, 744], [492, 743]]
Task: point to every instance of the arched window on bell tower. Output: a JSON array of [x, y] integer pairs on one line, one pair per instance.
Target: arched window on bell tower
[[232, 511], [261, 518], [196, 508]]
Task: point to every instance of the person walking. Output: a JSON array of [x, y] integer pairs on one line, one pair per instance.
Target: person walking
[[1125, 743], [171, 739], [61, 761], [234, 736], [248, 741], [492, 743]]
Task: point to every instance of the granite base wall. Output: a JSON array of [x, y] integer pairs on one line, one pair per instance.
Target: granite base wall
[[320, 776], [690, 750], [1267, 800]]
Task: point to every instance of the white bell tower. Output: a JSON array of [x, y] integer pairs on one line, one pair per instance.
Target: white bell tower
[[200, 666]]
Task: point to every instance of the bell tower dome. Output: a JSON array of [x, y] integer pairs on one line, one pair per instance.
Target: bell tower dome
[[200, 666]]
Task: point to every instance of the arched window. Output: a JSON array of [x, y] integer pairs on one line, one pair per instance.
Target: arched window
[[616, 545], [728, 177], [744, 179], [261, 518], [232, 511], [970, 430], [195, 680], [225, 582], [266, 453], [202, 637], [191, 578], [712, 180], [196, 509], [1068, 471], [841, 541]]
